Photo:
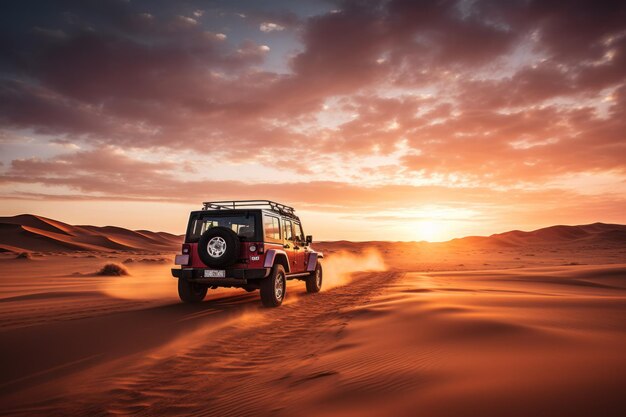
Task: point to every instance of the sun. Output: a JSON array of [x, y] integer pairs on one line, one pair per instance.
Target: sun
[[429, 230]]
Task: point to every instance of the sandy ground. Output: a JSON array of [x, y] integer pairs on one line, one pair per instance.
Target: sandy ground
[[448, 333]]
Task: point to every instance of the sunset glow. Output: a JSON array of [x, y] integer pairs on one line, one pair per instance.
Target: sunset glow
[[429, 230], [396, 120]]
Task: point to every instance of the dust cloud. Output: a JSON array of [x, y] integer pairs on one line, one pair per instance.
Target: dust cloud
[[144, 282], [153, 282], [339, 267]]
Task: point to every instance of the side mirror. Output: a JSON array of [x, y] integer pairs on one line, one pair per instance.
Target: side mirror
[[309, 239]]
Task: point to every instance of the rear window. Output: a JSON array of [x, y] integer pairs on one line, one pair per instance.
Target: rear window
[[243, 225]]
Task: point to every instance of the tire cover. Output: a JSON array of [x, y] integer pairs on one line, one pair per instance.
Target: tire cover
[[218, 237]]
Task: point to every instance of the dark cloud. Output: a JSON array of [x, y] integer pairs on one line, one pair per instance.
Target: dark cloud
[[573, 32], [25, 105]]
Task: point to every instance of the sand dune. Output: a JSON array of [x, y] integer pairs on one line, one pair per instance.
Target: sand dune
[[35, 233], [596, 233], [38, 222]]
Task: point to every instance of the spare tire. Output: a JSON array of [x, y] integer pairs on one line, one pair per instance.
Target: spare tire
[[218, 247]]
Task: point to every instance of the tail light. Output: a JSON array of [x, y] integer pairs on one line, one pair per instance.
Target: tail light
[[260, 249], [185, 258]]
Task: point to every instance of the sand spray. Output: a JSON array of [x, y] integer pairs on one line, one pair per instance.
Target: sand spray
[[339, 266]]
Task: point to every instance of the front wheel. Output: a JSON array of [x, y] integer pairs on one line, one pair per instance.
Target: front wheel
[[314, 281], [273, 287], [191, 292]]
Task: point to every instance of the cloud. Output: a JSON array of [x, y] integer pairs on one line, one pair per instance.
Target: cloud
[[113, 173], [186, 21], [270, 27], [475, 94]]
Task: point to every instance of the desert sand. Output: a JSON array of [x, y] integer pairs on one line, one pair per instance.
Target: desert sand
[[476, 327]]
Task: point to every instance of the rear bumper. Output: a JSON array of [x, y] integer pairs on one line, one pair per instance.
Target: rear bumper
[[234, 277]]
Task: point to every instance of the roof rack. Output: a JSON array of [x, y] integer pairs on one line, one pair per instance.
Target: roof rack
[[247, 204]]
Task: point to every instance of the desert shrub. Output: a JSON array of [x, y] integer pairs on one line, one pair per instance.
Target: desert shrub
[[113, 270]]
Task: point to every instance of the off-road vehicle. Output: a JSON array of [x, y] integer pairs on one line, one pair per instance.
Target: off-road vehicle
[[251, 244]]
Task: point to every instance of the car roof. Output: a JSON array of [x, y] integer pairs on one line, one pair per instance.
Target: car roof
[[236, 211]]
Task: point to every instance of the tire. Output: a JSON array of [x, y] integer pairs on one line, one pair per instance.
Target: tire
[[314, 281], [218, 247], [273, 287], [190, 292]]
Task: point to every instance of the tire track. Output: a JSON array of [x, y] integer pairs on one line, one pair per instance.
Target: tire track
[[233, 371]]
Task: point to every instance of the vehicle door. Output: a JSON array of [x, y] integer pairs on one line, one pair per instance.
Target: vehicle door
[[289, 246], [299, 247]]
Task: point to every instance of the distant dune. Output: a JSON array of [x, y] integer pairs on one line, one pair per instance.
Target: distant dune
[[28, 233], [596, 235], [31, 233]]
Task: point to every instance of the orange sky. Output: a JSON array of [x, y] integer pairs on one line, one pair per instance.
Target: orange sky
[[396, 120]]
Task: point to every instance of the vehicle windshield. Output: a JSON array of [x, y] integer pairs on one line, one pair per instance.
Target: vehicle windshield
[[242, 224]]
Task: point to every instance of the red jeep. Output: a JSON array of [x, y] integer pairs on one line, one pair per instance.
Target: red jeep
[[252, 244]]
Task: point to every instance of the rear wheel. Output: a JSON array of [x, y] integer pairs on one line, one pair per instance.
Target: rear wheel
[[273, 287], [314, 281], [191, 292]]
